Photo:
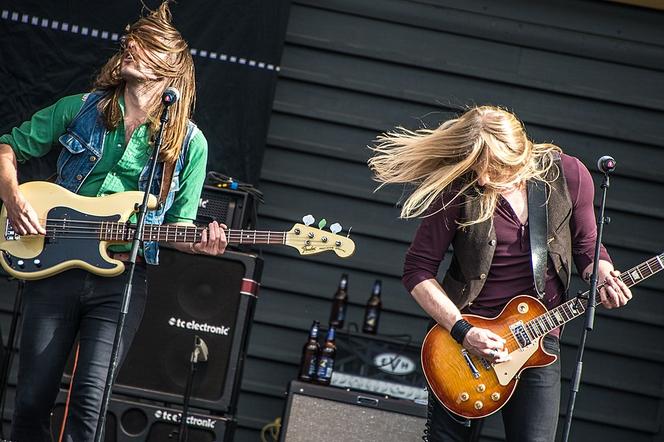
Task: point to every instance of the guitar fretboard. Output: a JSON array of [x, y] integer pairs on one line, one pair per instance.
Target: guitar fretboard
[[113, 231], [573, 308]]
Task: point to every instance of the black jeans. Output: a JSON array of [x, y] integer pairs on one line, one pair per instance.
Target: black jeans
[[55, 310], [531, 415]]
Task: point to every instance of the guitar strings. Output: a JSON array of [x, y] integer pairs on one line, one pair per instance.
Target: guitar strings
[[94, 229]]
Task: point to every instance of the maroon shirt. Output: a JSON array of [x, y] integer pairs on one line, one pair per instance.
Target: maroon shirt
[[511, 271]]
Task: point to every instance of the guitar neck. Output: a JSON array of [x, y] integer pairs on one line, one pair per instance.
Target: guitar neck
[[176, 233], [575, 307]]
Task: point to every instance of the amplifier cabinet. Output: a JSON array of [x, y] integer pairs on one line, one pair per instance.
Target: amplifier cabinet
[[132, 421], [317, 412]]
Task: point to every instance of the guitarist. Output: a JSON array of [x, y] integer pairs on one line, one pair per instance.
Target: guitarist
[[470, 177], [106, 138]]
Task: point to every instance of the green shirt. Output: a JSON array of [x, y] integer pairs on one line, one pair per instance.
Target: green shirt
[[121, 164]]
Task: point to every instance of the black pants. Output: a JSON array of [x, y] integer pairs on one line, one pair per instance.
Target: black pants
[[55, 310], [531, 415]]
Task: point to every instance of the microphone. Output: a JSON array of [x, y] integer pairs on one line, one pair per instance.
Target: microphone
[[606, 164], [170, 96]]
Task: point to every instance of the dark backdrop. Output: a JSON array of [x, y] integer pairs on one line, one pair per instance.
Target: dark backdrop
[[52, 49]]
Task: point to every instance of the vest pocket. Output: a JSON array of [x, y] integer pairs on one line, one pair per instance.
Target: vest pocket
[[72, 150], [565, 221]]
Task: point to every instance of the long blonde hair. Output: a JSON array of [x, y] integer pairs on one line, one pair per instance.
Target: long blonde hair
[[154, 32], [485, 141]]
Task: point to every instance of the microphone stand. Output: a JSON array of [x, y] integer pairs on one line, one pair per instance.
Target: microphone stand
[[590, 311], [138, 234], [200, 354]]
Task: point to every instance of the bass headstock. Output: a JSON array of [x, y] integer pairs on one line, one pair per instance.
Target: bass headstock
[[310, 240]]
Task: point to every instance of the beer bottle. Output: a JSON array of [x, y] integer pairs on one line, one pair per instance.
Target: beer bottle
[[338, 313], [309, 360], [326, 359], [372, 310]]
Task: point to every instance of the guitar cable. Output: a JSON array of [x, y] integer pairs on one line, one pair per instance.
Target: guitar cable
[[71, 384]]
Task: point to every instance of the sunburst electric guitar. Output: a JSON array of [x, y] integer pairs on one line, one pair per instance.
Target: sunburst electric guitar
[[79, 229], [471, 386]]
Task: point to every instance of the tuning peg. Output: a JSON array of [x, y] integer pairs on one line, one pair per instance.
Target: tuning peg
[[322, 223], [335, 228], [308, 220]]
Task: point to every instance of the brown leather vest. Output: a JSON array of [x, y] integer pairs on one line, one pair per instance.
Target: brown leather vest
[[474, 245]]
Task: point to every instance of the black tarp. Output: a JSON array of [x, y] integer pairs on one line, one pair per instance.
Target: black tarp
[[55, 48]]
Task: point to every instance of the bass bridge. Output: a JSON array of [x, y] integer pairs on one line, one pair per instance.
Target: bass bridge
[[10, 233]]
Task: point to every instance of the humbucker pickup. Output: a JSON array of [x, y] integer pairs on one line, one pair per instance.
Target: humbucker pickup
[[519, 332]]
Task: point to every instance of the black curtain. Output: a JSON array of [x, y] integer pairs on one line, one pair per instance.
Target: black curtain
[[52, 49]]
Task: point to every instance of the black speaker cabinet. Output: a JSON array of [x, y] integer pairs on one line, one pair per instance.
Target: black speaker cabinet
[[316, 412], [234, 208], [129, 421], [188, 296]]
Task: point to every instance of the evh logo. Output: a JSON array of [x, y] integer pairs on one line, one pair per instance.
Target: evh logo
[[203, 203], [394, 363]]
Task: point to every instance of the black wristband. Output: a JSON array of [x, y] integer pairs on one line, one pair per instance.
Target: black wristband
[[460, 329]]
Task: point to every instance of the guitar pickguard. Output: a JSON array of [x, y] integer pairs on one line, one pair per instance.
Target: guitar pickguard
[[505, 371], [67, 239]]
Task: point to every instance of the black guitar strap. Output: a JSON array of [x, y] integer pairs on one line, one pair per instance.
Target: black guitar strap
[[538, 226]]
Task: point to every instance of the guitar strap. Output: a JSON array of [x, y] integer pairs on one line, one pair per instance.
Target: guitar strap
[[538, 227], [166, 178]]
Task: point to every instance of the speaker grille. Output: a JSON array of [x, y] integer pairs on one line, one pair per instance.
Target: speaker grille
[[342, 417], [188, 296], [129, 421]]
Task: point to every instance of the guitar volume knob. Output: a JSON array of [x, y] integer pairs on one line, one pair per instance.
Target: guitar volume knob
[[495, 396], [481, 388], [464, 396], [478, 405]]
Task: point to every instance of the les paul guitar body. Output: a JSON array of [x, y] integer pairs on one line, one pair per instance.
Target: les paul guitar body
[[471, 386]]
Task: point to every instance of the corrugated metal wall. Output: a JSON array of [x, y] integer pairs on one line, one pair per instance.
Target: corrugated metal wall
[[587, 75]]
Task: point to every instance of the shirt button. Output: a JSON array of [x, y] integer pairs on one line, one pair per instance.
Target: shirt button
[[492, 242], [483, 276], [79, 177], [119, 144], [93, 158]]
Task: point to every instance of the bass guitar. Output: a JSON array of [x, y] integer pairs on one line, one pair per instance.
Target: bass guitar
[[79, 229], [471, 386]]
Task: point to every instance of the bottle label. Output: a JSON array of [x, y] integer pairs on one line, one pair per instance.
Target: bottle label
[[311, 368], [325, 367]]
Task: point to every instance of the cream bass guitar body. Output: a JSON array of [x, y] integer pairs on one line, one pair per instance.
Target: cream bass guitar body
[[79, 229]]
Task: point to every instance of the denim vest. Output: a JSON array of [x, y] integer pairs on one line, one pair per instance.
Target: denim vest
[[84, 147]]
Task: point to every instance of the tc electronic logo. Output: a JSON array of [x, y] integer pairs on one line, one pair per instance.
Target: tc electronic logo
[[193, 421], [203, 203], [394, 363], [193, 325]]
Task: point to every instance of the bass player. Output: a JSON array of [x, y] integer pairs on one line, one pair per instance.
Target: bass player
[[106, 138]]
